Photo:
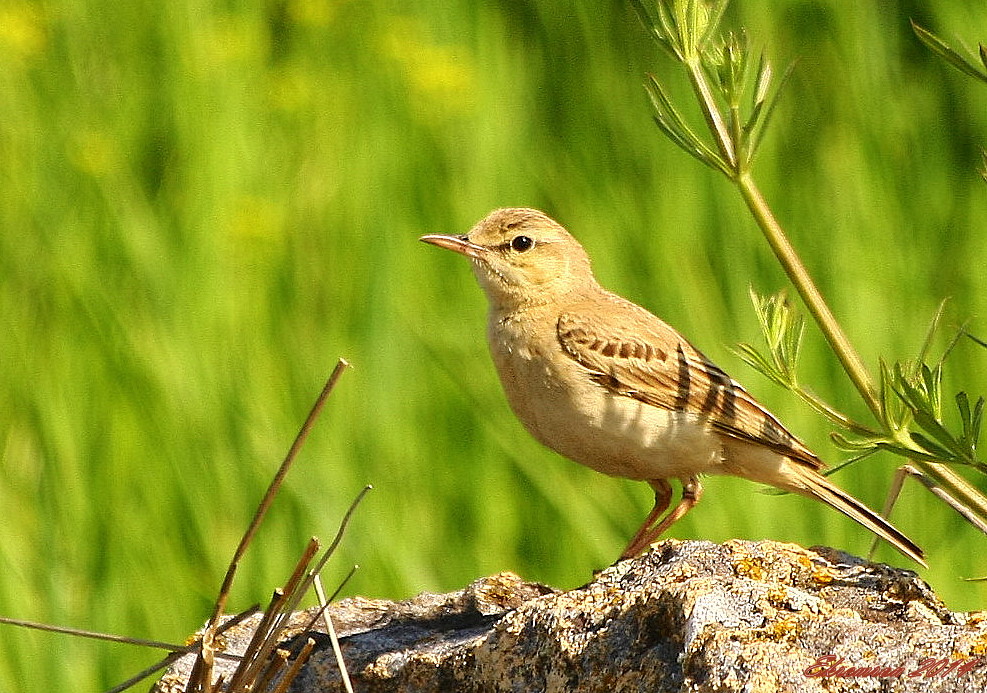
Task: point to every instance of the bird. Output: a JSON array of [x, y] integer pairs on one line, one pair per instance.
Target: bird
[[606, 383]]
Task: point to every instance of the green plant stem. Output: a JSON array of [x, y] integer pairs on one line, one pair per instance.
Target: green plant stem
[[810, 294], [732, 151], [832, 414], [955, 485], [783, 250]]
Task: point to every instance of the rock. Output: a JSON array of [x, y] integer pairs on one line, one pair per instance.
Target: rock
[[685, 616]]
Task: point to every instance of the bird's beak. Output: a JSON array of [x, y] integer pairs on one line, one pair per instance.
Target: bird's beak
[[459, 244]]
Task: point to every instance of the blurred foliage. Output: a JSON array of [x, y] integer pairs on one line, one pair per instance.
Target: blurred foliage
[[204, 204]]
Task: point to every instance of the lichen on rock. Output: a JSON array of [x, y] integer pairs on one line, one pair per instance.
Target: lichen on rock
[[685, 616]]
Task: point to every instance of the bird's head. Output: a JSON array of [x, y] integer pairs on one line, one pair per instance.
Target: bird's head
[[521, 257]]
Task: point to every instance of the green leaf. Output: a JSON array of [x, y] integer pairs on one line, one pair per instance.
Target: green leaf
[[676, 129], [673, 25], [792, 344], [698, 21], [655, 26], [934, 450], [942, 49], [924, 401], [930, 333], [963, 405], [896, 415], [756, 360], [932, 380], [909, 452], [846, 463], [884, 395], [970, 419], [681, 27], [763, 111], [734, 68], [714, 16], [940, 433], [854, 444], [782, 329], [911, 394], [975, 422], [763, 85], [952, 343]]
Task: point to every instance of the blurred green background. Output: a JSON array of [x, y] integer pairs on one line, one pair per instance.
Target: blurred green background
[[204, 204]]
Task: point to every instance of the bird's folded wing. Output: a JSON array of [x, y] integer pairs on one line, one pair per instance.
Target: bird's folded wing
[[632, 353]]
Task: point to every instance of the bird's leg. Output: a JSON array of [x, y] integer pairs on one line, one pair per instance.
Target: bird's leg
[[692, 491], [663, 496]]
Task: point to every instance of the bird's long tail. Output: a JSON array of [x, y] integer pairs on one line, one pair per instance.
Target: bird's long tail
[[818, 486]]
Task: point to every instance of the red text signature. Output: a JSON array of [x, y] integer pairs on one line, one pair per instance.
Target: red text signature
[[930, 667]]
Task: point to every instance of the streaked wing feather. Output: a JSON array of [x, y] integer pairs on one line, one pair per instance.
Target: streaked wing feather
[[633, 353]]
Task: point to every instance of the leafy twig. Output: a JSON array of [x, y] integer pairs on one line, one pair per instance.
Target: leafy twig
[[733, 90]]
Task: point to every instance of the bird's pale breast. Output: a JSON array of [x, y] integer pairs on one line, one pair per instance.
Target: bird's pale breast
[[559, 403]]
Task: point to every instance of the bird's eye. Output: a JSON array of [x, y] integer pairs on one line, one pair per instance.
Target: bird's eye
[[522, 243]]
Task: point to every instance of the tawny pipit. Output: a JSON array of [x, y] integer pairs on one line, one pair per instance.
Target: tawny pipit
[[609, 385]]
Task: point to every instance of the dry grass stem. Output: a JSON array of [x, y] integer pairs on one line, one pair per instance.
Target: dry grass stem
[[202, 671], [296, 666], [260, 646], [181, 652], [93, 635], [274, 487], [331, 630], [263, 662]]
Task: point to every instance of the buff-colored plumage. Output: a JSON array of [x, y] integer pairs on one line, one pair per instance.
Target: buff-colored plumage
[[607, 384]]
